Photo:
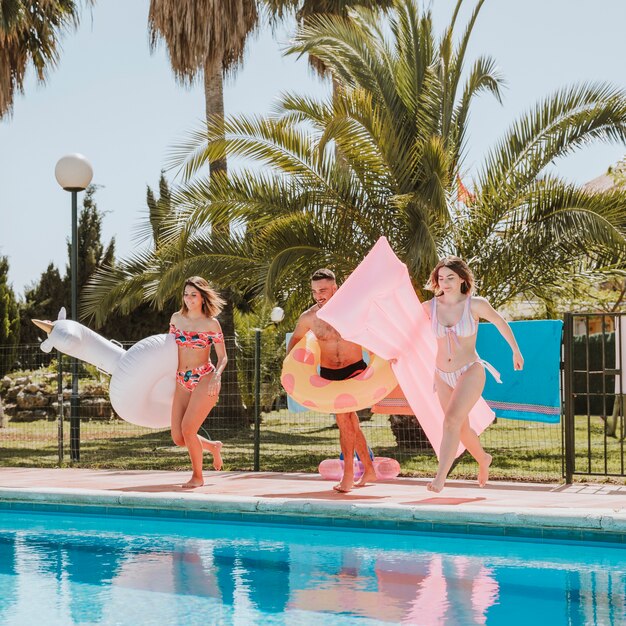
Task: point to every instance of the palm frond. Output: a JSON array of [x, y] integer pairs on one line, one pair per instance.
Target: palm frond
[[556, 126]]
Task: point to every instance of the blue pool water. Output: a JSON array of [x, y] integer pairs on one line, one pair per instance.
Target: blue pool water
[[62, 568]]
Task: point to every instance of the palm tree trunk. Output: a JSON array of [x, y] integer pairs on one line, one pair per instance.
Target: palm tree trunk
[[337, 92], [230, 409], [214, 102]]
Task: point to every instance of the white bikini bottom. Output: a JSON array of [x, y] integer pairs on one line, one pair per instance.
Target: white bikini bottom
[[452, 378]]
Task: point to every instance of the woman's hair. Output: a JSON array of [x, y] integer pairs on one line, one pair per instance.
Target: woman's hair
[[458, 266], [212, 302]]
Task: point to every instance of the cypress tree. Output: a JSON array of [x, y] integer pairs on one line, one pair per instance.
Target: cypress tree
[[9, 319], [42, 300]]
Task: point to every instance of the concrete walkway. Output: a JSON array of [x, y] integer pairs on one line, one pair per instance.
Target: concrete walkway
[[404, 491], [580, 506]]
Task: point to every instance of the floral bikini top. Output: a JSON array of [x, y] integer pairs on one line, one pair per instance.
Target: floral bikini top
[[195, 339]]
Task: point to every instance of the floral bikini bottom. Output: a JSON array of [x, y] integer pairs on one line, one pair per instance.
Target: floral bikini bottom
[[189, 379]]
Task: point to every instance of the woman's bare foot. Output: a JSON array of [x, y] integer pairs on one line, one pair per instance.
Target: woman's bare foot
[[344, 486], [483, 470], [217, 455], [368, 477], [194, 482], [215, 448], [436, 485]]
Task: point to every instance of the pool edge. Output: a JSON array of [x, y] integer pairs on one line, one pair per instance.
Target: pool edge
[[519, 522]]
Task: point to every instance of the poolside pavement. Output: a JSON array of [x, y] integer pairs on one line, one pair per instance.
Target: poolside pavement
[[497, 495], [584, 507]]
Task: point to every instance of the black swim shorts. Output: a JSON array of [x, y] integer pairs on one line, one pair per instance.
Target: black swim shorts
[[343, 373]]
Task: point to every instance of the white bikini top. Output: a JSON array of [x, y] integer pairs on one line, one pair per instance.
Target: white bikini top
[[465, 327]]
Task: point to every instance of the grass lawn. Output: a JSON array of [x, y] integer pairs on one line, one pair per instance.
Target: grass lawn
[[298, 442]]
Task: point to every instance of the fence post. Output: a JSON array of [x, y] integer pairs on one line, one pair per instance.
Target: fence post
[[61, 415], [74, 417], [257, 399], [569, 417]]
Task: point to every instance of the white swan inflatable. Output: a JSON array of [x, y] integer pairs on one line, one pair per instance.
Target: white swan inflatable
[[142, 378]]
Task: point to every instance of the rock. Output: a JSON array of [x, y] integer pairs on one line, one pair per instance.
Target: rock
[[96, 390], [5, 383], [54, 407], [11, 393], [21, 381], [31, 400], [30, 416], [95, 408], [10, 409], [32, 388]]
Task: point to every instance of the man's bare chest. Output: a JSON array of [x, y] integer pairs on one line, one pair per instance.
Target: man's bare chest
[[324, 331]]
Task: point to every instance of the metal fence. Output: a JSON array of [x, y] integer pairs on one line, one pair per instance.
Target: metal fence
[[593, 404], [35, 430], [266, 435]]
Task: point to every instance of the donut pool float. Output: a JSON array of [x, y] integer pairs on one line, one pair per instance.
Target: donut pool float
[[301, 380], [385, 468]]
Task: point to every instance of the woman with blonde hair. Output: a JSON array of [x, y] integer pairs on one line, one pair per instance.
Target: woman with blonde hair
[[460, 373], [195, 331]]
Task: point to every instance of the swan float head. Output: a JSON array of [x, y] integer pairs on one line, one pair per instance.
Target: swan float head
[[142, 378], [78, 341]]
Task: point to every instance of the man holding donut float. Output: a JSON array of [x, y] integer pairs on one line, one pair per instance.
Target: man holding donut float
[[339, 360]]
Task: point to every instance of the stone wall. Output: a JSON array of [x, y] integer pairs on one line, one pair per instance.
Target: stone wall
[[30, 397]]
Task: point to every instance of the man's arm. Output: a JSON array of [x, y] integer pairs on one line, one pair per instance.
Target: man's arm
[[302, 327]]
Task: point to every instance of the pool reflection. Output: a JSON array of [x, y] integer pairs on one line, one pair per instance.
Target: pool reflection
[[260, 576], [430, 591]]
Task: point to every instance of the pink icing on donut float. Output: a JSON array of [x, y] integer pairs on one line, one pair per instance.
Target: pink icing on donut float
[[301, 381], [303, 355], [385, 468]]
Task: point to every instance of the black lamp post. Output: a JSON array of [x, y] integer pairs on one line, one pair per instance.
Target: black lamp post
[[74, 173], [276, 316]]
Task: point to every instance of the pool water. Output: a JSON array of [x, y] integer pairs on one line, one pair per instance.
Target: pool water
[[82, 569]]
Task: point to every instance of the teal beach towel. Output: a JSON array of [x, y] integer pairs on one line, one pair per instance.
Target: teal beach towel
[[534, 393]]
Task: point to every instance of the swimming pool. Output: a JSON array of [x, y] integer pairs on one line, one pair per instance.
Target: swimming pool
[[61, 568]]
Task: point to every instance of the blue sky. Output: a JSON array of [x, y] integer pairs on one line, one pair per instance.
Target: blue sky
[[113, 101]]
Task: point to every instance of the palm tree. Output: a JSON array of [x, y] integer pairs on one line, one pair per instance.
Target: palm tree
[[305, 10], [400, 125], [393, 123], [204, 39], [30, 33], [208, 39]]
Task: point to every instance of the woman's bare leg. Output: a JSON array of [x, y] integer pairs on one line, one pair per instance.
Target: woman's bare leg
[[468, 437], [471, 441], [462, 399], [200, 404], [179, 406]]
